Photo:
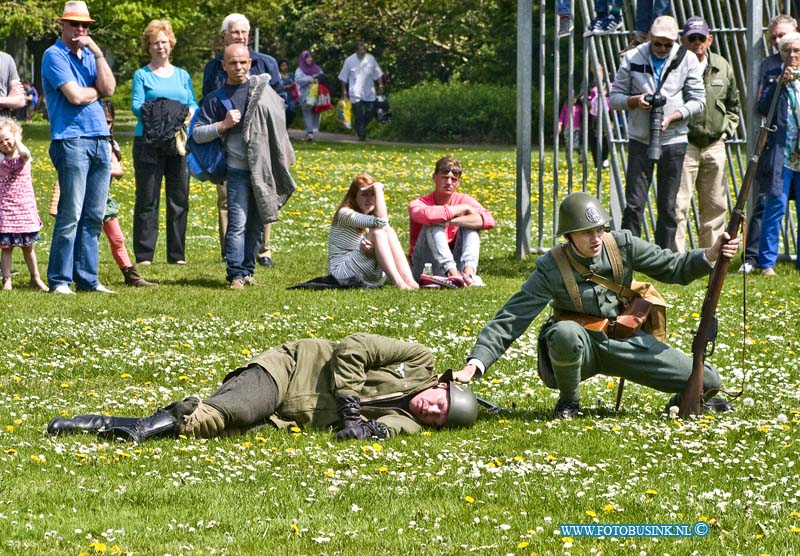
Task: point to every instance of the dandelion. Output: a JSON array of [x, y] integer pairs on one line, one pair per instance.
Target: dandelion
[[295, 529], [523, 544], [608, 508], [469, 499], [591, 513], [651, 492]]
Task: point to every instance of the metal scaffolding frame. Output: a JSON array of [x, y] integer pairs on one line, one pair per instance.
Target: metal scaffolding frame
[[739, 29]]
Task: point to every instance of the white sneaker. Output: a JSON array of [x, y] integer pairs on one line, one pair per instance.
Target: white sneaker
[[102, 289], [477, 281], [63, 289], [746, 268]]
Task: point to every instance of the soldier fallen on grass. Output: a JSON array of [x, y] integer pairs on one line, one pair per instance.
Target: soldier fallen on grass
[[368, 386]]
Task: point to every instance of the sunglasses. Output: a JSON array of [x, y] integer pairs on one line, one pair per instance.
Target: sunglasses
[[658, 44], [76, 24], [696, 38], [449, 170]]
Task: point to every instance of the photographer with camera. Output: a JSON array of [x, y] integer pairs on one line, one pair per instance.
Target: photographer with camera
[[660, 84]]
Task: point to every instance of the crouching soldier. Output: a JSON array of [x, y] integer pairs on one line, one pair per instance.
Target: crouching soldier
[[367, 386], [589, 281]]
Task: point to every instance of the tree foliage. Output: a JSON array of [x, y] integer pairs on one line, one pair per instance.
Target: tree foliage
[[414, 40]]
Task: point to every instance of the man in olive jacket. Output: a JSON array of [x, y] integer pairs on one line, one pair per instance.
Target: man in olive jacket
[[367, 385], [704, 163]]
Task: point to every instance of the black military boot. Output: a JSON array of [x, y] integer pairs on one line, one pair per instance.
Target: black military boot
[[566, 409], [161, 423], [710, 402], [87, 423]]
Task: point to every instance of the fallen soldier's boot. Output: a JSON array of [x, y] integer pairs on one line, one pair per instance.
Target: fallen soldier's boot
[[161, 423], [87, 423]]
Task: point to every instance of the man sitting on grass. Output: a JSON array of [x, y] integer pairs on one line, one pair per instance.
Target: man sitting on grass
[[445, 226], [368, 386]]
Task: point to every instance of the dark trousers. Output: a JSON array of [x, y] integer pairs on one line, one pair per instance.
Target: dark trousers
[[637, 185], [363, 112], [151, 165], [247, 398]]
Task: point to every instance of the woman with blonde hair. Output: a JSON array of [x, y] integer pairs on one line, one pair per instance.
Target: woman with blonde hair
[[361, 243], [162, 101]]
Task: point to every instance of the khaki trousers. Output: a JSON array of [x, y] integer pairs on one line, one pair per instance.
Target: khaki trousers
[[704, 171]]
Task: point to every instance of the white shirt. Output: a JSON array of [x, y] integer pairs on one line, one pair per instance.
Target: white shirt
[[360, 76]]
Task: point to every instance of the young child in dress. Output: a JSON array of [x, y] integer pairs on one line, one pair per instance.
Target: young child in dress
[[19, 216], [361, 243]]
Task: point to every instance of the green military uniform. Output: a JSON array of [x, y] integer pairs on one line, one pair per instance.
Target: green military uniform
[[577, 353], [310, 373]]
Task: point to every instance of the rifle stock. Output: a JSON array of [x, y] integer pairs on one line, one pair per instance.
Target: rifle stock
[[691, 397]]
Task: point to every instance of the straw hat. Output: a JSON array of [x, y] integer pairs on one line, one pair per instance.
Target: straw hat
[[76, 10]]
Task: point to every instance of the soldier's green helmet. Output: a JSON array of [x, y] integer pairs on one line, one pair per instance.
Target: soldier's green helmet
[[463, 407], [580, 211]]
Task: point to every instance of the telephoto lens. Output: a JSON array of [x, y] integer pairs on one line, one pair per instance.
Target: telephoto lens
[[657, 102]]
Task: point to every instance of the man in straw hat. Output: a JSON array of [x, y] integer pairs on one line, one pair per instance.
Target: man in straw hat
[[76, 76]]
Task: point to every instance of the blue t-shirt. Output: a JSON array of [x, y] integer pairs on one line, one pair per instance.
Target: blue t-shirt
[[70, 121], [658, 67], [149, 86]]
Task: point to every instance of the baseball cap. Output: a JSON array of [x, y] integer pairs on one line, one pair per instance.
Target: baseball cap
[[695, 26]]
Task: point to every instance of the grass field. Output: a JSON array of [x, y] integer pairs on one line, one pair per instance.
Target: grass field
[[501, 488]]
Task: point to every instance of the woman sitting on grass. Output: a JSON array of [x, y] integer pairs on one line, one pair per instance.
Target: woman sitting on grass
[[361, 243]]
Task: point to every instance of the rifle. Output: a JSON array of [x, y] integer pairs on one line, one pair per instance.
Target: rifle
[[706, 333]]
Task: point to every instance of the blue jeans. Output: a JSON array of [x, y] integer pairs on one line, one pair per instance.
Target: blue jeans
[[243, 237], [774, 209], [432, 247], [84, 171], [647, 11], [637, 184]]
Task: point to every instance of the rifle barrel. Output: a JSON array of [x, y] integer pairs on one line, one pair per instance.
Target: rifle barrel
[[693, 392]]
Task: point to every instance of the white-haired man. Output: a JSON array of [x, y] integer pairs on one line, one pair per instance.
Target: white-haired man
[[236, 30]]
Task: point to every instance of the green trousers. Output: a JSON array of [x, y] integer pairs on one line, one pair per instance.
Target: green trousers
[[577, 354]]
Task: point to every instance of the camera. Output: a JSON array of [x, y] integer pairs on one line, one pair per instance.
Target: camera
[[656, 102]]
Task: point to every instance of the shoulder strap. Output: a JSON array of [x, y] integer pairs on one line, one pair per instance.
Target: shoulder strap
[[226, 102], [617, 288], [559, 254], [614, 256], [676, 61]]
